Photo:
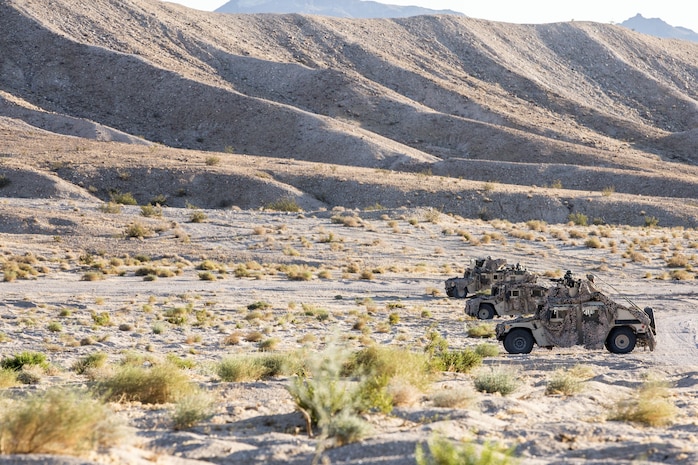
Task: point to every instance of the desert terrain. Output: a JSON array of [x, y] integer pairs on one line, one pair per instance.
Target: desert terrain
[[180, 188]]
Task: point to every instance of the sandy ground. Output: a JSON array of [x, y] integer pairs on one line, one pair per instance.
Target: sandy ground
[[412, 253]]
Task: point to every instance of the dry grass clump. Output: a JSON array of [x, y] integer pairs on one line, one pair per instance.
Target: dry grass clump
[[138, 230], [564, 382], [298, 273], [160, 384], [347, 221], [482, 330], [649, 406], [58, 421], [453, 398], [677, 260], [192, 409], [240, 368]]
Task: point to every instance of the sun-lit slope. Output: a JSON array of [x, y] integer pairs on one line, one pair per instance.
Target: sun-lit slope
[[446, 85]]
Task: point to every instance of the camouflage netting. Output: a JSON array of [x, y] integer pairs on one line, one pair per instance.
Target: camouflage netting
[[596, 327]]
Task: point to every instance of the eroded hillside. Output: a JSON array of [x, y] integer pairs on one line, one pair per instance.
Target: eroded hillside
[[583, 107]]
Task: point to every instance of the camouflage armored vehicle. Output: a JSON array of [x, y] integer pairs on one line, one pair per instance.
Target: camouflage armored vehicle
[[508, 299], [485, 273], [577, 313]]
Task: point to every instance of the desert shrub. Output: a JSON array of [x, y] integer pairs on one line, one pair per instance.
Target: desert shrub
[[110, 207], [651, 221], [285, 204], [496, 380], [160, 384], [649, 406], [55, 327], [348, 221], [4, 181], [207, 276], [125, 198], [593, 243], [255, 367], [608, 191], [563, 382], [483, 330], [23, 359], [138, 230], [452, 398], [8, 378], [151, 211], [580, 219], [299, 273], [391, 364], [459, 361], [443, 451], [677, 260], [487, 350], [92, 276], [58, 421], [327, 400], [101, 319], [197, 216], [192, 409], [394, 318], [213, 160], [177, 315], [269, 344], [89, 362]]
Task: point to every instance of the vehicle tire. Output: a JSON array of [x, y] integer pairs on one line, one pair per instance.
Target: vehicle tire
[[621, 340], [485, 312], [518, 341], [460, 294], [451, 291]]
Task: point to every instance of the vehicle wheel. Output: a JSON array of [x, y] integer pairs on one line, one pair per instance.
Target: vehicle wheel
[[458, 294], [518, 341], [451, 291], [621, 340], [485, 312]]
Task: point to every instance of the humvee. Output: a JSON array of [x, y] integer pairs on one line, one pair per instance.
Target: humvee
[[485, 273], [577, 313], [508, 299]]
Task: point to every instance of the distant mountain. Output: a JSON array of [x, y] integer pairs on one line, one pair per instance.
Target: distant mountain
[[341, 8], [658, 28]]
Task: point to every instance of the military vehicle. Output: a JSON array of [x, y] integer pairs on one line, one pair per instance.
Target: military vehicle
[[577, 313], [508, 299], [485, 273]]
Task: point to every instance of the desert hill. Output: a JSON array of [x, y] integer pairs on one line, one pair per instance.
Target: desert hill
[[352, 112], [343, 9]]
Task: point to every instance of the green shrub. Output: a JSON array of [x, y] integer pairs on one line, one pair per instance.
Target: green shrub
[[101, 319], [580, 219], [88, 362], [496, 380], [255, 367], [483, 330], [192, 409], [123, 198], [286, 204], [459, 361], [160, 384], [58, 421], [151, 211], [443, 451], [23, 359], [487, 350]]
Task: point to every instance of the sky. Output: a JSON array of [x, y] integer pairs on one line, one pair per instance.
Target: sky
[[674, 12]]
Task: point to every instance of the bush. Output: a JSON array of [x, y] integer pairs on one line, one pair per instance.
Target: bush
[[192, 409], [91, 361], [110, 207], [151, 211], [286, 204], [445, 452], [496, 380], [197, 217], [157, 385], [563, 382], [255, 367], [580, 219], [452, 398], [459, 361], [26, 358], [487, 350], [58, 421], [649, 406], [124, 198], [482, 330]]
